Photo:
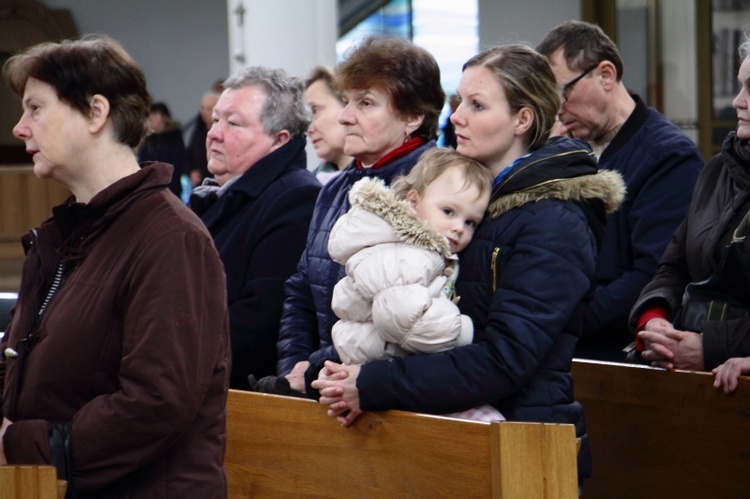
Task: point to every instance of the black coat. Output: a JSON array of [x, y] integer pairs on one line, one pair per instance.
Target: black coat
[[259, 227], [166, 147], [720, 200]]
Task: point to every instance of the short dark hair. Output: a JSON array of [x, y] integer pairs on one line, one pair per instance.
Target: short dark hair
[[161, 108], [409, 74], [584, 45], [80, 69]]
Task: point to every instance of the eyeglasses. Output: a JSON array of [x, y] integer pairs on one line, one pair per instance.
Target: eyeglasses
[[565, 89]]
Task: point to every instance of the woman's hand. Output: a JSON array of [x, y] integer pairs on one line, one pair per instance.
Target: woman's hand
[[337, 384], [6, 422], [728, 374], [670, 348]]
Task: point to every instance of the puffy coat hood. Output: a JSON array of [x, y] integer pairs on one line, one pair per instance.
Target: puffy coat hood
[[566, 170], [372, 195], [393, 300]]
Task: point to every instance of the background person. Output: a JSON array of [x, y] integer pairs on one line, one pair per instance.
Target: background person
[[258, 206], [393, 100], [164, 144], [115, 365], [658, 162], [196, 158], [720, 201], [547, 204], [326, 133]]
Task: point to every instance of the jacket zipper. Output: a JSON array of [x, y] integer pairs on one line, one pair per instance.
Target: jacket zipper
[[493, 268]]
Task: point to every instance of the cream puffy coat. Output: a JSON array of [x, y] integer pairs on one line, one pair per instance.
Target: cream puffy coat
[[392, 300]]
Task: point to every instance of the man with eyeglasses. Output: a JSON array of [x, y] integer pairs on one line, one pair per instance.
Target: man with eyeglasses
[[659, 163]]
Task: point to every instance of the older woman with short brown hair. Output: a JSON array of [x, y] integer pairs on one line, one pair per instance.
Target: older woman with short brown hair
[[115, 365], [393, 100]]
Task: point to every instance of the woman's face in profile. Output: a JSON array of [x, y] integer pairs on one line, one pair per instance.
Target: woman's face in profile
[[741, 103], [372, 127], [485, 126], [325, 132], [54, 133]]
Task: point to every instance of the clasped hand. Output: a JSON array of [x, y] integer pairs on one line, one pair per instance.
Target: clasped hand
[[337, 384], [671, 348]]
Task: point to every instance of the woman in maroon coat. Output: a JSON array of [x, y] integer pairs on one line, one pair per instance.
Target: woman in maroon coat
[[115, 365]]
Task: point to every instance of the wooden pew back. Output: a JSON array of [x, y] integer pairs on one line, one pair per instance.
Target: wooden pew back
[[31, 482], [658, 433], [281, 446]]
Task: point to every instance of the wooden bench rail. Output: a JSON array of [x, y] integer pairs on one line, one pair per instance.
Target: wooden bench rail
[[31, 482], [281, 447], [659, 433]]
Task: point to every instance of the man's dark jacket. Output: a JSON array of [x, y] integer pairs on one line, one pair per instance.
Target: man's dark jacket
[[259, 226]]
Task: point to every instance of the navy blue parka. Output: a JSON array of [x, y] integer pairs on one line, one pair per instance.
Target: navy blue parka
[[524, 281]]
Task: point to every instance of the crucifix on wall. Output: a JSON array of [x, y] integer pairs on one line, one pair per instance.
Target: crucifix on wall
[[239, 53]]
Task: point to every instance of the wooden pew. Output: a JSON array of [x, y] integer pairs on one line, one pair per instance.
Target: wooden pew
[[288, 447], [659, 433], [31, 482]]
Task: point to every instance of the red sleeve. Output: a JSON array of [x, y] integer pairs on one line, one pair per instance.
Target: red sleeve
[[651, 313]]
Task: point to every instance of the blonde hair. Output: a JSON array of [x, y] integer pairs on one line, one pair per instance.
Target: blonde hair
[[434, 163]]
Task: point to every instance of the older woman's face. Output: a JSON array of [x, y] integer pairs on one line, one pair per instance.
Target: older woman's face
[[325, 132], [373, 129], [741, 103], [54, 133]]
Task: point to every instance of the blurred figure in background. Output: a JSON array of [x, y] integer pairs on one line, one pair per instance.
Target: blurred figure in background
[[449, 129], [196, 161], [164, 144]]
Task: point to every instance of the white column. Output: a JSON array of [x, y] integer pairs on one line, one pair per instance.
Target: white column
[[292, 34], [295, 35]]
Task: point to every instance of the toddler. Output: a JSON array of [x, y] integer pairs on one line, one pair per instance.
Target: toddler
[[399, 247]]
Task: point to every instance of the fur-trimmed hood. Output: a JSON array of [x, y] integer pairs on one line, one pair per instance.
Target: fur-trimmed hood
[[565, 170], [372, 195]]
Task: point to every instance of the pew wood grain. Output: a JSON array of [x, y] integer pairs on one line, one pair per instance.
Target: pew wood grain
[[281, 446], [31, 482], [659, 433]]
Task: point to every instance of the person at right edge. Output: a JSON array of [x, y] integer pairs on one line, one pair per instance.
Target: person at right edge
[[667, 333], [659, 163]]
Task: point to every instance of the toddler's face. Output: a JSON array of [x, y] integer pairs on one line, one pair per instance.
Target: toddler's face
[[453, 208]]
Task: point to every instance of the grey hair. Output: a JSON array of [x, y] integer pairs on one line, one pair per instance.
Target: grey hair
[[744, 48], [285, 107]]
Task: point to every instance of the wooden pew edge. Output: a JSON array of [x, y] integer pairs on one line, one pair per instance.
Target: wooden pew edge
[[542, 452], [676, 434]]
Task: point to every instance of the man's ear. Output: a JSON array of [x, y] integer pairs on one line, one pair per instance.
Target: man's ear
[[608, 74], [281, 138], [98, 113]]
